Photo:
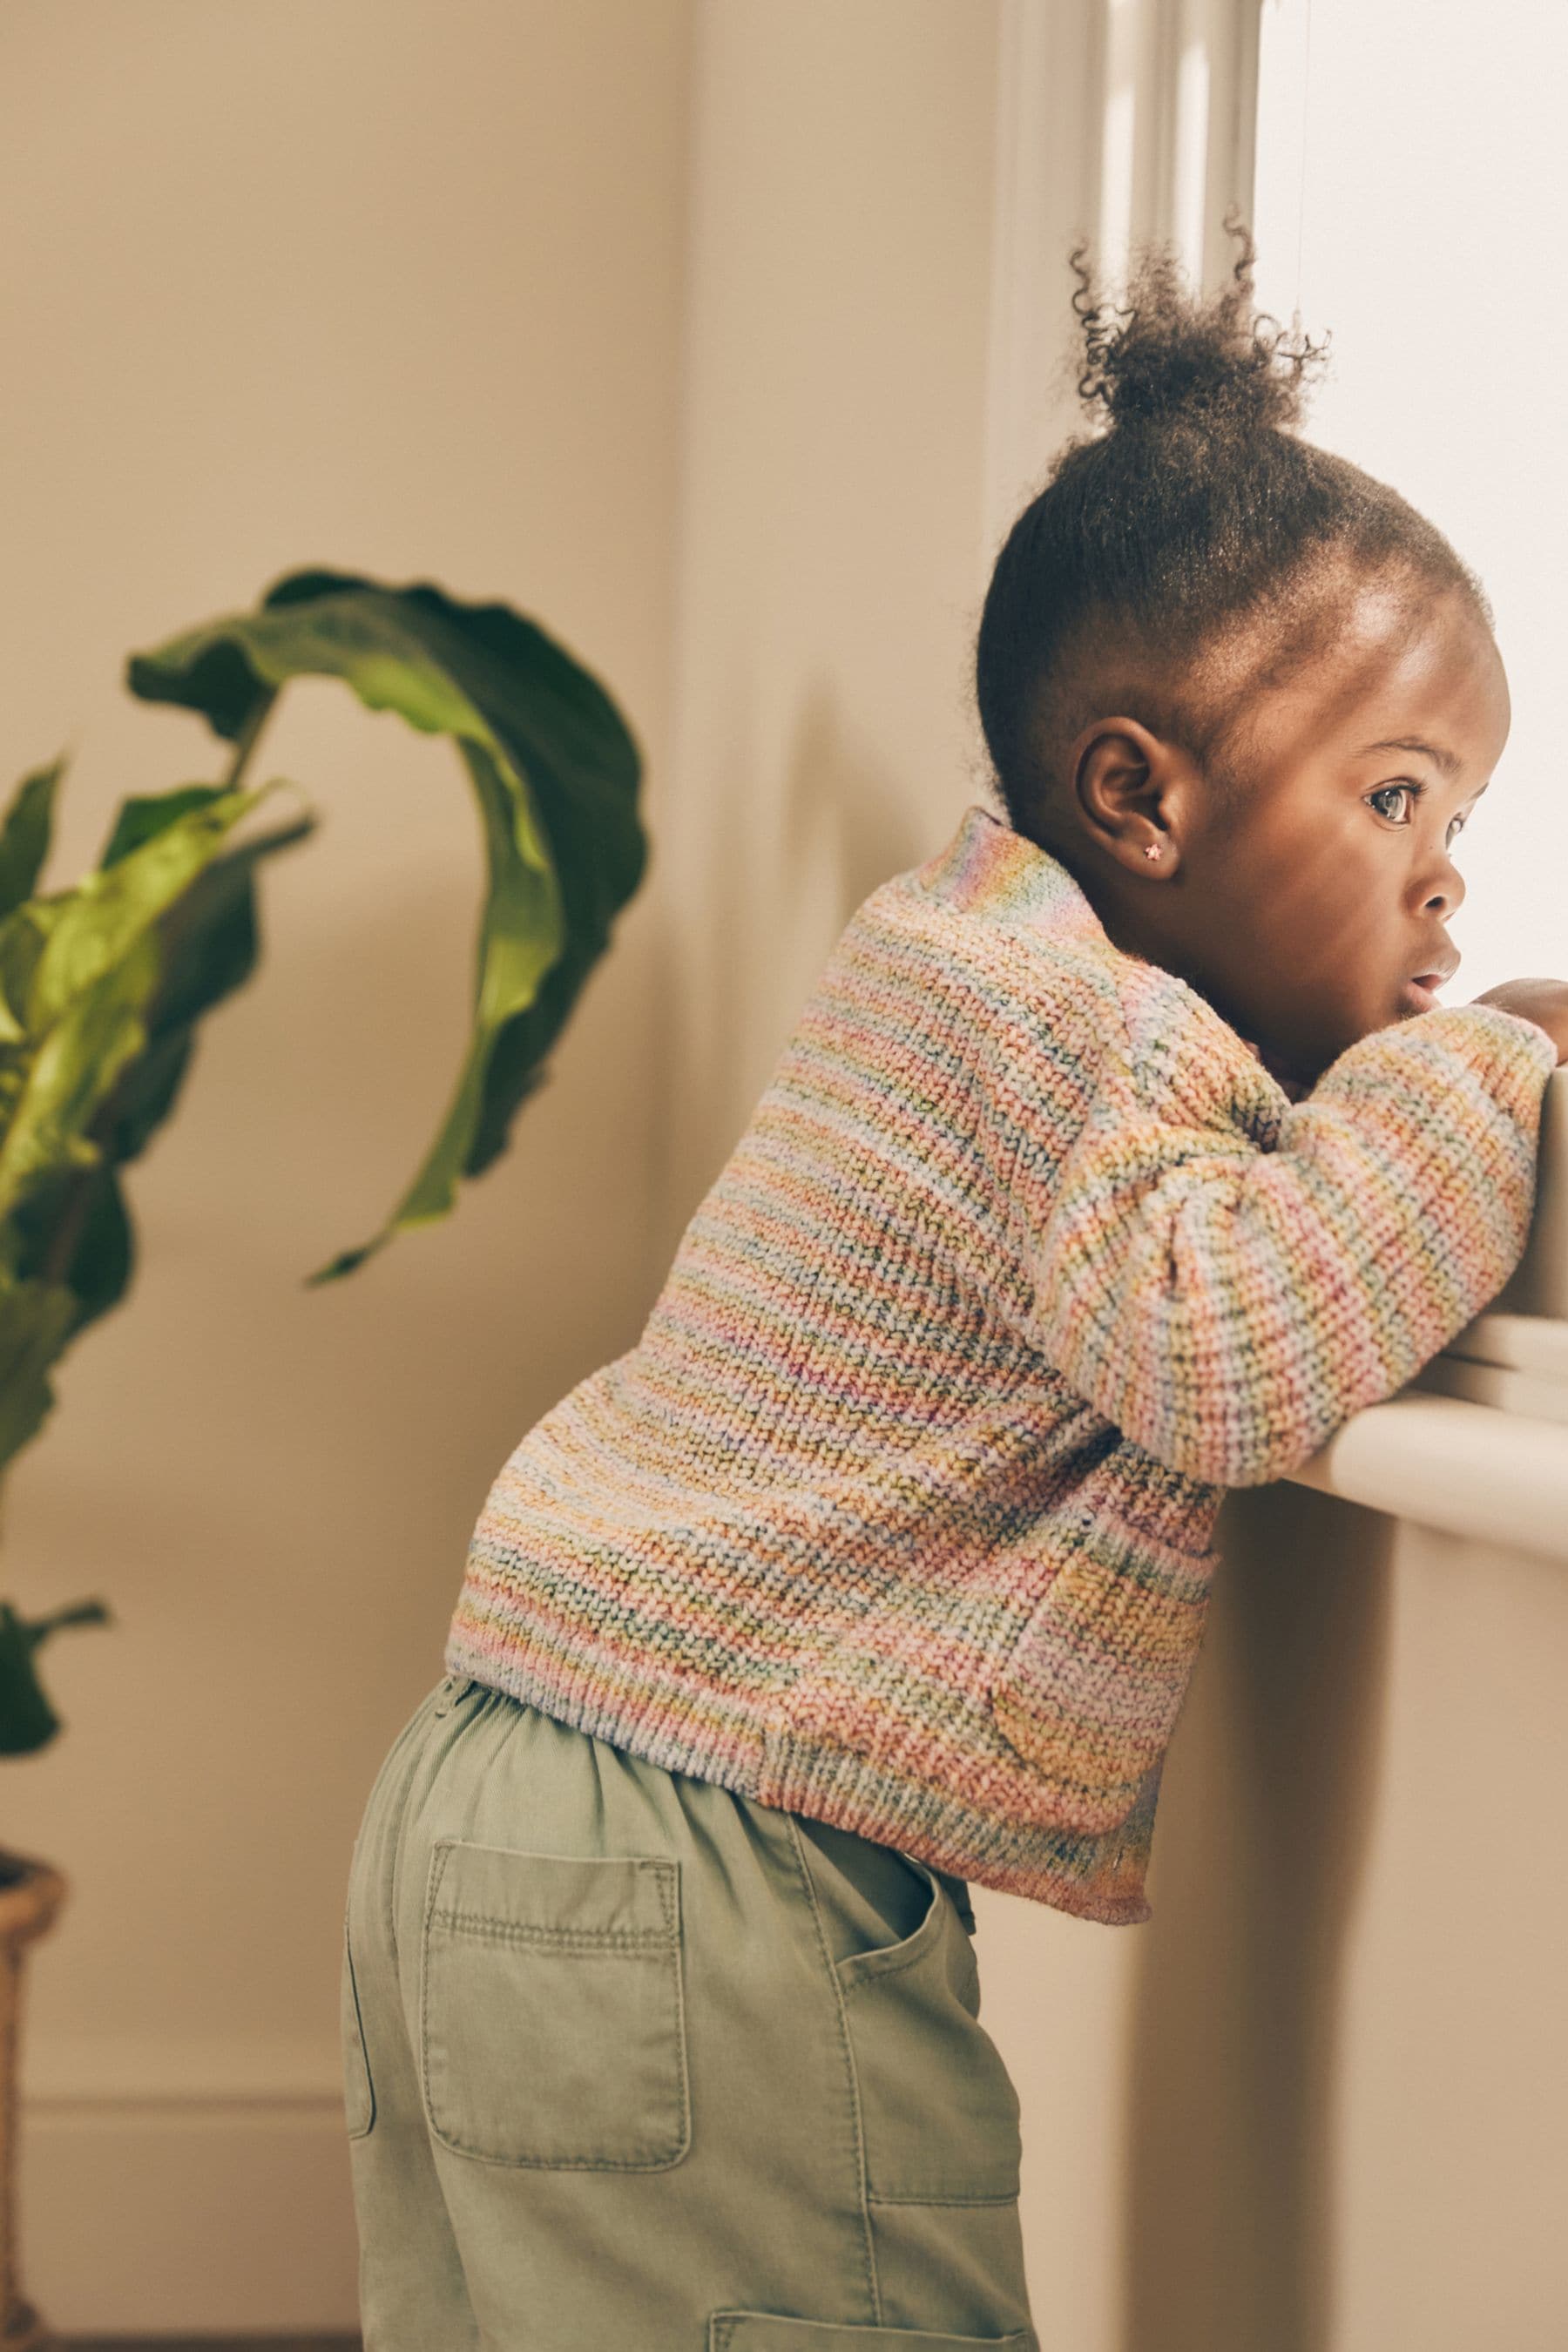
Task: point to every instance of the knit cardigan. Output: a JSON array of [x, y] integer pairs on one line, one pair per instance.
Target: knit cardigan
[[899, 1512]]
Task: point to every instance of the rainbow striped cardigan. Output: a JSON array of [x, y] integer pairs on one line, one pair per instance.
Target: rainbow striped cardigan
[[901, 1511]]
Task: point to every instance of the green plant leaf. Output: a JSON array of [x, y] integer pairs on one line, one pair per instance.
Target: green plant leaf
[[554, 768], [27, 1721], [144, 816], [73, 1227], [98, 922], [73, 1068], [71, 1224], [84, 967], [25, 832], [36, 1320], [98, 1269], [208, 940]]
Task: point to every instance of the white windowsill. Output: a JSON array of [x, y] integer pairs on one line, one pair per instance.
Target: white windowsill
[[1477, 1443]]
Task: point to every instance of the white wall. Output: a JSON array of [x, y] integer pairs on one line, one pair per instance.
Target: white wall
[[394, 286], [832, 455]]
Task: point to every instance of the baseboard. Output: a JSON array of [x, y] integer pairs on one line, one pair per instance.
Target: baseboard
[[185, 2192]]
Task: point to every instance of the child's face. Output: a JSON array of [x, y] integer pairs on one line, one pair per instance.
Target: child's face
[[1302, 903]]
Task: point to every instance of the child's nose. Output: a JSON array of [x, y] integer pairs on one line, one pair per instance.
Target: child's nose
[[1452, 894]]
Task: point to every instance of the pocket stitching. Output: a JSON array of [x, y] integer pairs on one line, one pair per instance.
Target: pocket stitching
[[1000, 2197], [666, 1869], [723, 2324], [485, 1926], [363, 2130]]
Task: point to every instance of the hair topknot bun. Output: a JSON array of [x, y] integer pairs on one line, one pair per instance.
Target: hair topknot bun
[[1202, 522], [1168, 355]]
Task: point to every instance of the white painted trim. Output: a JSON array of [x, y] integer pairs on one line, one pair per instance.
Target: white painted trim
[[1499, 1389], [1282, 84], [1048, 126], [1475, 1444], [1526, 1343], [1500, 1478], [1119, 120]]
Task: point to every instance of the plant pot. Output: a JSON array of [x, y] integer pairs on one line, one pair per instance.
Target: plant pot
[[31, 1893]]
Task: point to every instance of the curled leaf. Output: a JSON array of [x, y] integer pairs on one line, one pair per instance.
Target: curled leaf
[[554, 771]]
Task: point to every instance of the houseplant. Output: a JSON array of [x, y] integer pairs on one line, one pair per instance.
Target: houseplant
[[102, 985]]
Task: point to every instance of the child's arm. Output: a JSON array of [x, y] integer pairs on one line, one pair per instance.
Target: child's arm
[[1228, 1307]]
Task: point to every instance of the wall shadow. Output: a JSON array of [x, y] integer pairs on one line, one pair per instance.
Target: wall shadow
[[846, 816], [1266, 1810], [767, 871]]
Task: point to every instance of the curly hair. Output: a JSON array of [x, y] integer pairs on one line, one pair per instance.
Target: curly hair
[[1186, 551]]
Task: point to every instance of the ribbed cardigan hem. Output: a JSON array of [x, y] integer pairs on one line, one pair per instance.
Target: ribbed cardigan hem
[[793, 1773]]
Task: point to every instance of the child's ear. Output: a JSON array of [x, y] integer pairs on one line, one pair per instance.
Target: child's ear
[[1128, 782]]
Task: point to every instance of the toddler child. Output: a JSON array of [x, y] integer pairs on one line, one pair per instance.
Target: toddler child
[[1123, 1153]]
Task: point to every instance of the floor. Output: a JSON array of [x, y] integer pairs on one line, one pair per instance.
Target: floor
[[209, 2344]]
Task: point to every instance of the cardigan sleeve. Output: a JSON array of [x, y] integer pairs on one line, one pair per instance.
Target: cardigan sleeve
[[1228, 1305]]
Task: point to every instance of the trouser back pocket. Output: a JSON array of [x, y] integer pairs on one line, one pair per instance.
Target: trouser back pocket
[[553, 2027]]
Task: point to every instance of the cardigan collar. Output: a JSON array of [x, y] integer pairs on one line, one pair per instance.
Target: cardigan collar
[[989, 870]]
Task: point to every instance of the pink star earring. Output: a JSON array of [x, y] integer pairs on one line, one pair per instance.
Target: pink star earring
[[1151, 849]]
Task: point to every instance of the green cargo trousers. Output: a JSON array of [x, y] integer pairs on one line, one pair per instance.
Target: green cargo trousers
[[635, 2064]]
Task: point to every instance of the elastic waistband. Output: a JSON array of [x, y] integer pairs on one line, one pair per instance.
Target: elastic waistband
[[451, 1689]]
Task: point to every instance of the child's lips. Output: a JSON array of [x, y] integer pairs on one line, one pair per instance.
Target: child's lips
[[1420, 991]]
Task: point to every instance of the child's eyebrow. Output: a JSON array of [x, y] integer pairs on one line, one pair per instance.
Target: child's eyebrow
[[1439, 753]]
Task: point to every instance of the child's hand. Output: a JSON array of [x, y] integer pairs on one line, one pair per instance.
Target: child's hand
[[1544, 1002]]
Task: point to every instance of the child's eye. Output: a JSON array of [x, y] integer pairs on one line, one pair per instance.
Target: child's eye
[[1415, 792]]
